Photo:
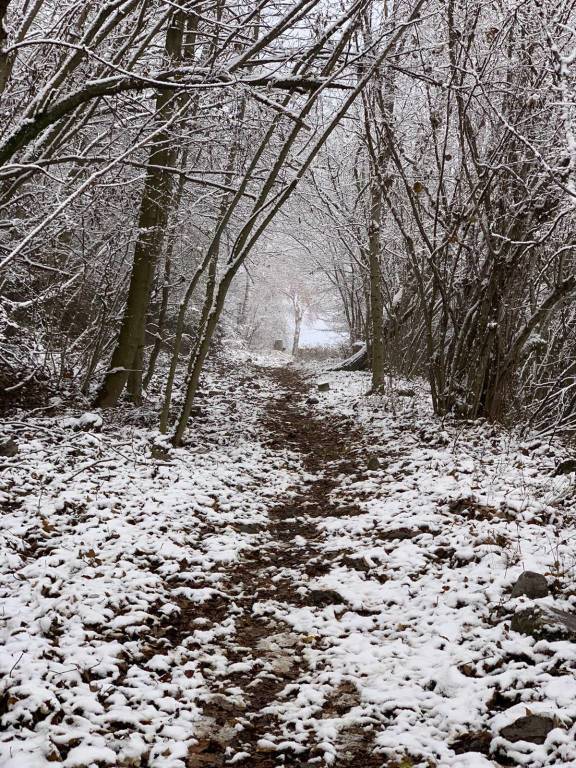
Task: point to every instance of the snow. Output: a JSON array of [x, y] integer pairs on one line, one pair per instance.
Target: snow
[[93, 559], [104, 547], [484, 498]]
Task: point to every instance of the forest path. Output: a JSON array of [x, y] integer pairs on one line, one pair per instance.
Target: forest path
[[270, 597], [268, 659]]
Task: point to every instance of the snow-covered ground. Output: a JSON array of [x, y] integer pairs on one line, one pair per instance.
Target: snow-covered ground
[[110, 557], [451, 518], [100, 543]]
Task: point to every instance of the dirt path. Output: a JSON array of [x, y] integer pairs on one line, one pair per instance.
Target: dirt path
[[270, 597], [268, 656]]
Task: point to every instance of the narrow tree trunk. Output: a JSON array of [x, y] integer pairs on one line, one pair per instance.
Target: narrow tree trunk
[[166, 284], [243, 310], [298, 316], [4, 56], [158, 341], [165, 413], [376, 303], [154, 211], [199, 357]]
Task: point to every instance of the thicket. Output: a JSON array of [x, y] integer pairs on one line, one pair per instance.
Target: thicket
[[420, 152]]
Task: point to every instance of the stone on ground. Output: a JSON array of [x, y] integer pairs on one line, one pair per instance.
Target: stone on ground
[[531, 584]]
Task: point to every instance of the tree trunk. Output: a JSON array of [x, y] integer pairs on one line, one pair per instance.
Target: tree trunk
[[165, 293], [154, 211], [376, 303], [243, 309], [298, 316], [356, 362], [4, 57], [158, 340]]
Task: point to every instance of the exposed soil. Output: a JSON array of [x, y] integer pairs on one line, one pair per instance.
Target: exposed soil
[[237, 723]]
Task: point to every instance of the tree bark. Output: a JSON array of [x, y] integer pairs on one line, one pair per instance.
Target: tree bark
[[376, 303], [298, 315], [126, 362], [4, 56]]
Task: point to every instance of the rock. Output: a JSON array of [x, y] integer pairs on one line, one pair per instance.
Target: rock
[[324, 387], [206, 753], [312, 401], [545, 623], [531, 584], [532, 728], [316, 567], [342, 699], [565, 468], [444, 553], [406, 392], [284, 666], [322, 598], [275, 643], [228, 704], [373, 463], [8, 448]]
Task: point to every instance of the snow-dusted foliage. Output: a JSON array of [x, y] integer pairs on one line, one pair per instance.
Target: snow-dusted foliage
[[23, 376]]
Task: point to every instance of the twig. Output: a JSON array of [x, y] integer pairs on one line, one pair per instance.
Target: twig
[[88, 466], [16, 664]]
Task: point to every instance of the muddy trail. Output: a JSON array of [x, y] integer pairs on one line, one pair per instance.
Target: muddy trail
[[239, 729]]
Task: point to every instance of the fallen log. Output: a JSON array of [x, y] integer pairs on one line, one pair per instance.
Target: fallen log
[[356, 362]]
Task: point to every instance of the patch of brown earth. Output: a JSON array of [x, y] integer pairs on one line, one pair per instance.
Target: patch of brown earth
[[237, 723]]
